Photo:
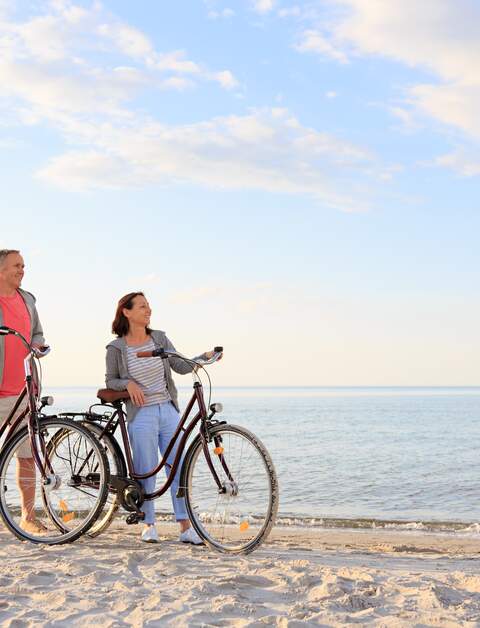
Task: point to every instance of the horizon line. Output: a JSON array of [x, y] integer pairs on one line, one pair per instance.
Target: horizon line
[[306, 387]]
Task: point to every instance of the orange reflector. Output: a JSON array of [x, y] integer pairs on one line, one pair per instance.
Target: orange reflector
[[62, 505], [244, 526], [218, 450], [68, 516]]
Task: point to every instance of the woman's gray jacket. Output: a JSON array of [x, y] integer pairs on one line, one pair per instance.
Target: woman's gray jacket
[[118, 378]]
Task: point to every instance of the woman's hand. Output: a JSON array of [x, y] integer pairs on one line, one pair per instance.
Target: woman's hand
[[136, 393], [210, 354]]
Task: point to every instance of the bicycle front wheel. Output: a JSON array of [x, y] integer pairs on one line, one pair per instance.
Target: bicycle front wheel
[[238, 517], [65, 505]]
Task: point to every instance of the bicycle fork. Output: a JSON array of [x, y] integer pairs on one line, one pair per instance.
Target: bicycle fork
[[230, 487]]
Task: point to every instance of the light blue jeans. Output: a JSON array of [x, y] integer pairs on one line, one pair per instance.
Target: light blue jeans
[[152, 429]]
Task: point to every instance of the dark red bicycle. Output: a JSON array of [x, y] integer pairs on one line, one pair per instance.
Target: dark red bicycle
[[54, 473], [227, 477]]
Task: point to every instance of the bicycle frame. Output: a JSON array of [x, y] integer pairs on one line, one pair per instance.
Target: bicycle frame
[[201, 416], [8, 422], [31, 411]]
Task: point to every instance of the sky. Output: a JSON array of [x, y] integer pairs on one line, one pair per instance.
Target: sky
[[295, 181]]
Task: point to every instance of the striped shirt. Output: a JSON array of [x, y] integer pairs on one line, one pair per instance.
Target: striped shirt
[[148, 373]]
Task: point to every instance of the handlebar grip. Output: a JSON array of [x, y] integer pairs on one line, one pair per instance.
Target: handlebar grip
[[144, 354], [218, 349], [42, 351], [151, 354]]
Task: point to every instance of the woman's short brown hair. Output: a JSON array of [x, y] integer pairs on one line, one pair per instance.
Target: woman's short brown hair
[[120, 325]]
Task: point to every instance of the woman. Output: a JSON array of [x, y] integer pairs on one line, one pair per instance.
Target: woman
[[152, 411]]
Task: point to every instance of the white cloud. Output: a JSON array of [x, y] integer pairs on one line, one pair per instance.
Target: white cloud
[[175, 61], [51, 92], [464, 162], [88, 169], [268, 150], [455, 104], [438, 36], [44, 38], [178, 83], [68, 39], [314, 41], [263, 6], [130, 41], [293, 11], [419, 34], [226, 79], [5, 8], [405, 116], [85, 98], [223, 13]]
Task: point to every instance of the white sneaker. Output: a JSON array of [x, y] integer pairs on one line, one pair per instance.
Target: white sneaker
[[149, 534], [190, 536]]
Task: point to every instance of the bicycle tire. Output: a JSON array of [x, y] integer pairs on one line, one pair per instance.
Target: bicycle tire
[[54, 518], [118, 467], [256, 500]]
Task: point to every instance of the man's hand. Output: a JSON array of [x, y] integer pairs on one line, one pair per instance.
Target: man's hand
[[136, 394], [40, 350]]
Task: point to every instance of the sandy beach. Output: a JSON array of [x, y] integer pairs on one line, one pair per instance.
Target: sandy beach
[[310, 577]]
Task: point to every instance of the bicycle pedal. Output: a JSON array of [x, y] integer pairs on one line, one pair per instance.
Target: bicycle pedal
[[135, 517]]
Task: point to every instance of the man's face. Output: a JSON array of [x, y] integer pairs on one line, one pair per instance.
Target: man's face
[[12, 270]]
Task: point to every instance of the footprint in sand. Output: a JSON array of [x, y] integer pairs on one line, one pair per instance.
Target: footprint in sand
[[41, 578], [16, 623]]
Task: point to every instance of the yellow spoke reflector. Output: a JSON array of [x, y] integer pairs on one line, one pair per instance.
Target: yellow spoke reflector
[[68, 516], [244, 526], [218, 451], [62, 505]]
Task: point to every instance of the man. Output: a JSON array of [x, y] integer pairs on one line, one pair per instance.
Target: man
[[18, 311]]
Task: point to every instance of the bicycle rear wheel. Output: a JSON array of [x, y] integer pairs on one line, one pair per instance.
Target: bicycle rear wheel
[[238, 518], [118, 467], [65, 506]]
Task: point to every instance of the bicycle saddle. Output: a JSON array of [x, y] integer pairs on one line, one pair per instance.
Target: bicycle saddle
[[109, 396]]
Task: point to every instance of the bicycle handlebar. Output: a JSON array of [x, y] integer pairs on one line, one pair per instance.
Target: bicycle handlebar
[[5, 331], [163, 353], [38, 351]]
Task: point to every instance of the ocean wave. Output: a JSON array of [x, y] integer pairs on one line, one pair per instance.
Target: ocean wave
[[379, 524], [339, 523]]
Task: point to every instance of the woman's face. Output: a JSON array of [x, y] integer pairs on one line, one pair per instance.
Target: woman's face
[[140, 312]]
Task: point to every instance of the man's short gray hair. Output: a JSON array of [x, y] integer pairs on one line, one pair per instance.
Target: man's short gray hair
[[4, 253]]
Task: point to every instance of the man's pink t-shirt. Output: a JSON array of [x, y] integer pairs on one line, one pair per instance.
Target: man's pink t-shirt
[[16, 316]]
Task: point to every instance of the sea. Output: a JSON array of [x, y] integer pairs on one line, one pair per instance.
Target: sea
[[357, 457]]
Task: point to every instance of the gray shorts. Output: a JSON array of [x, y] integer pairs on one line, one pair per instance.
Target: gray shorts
[[6, 405]]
